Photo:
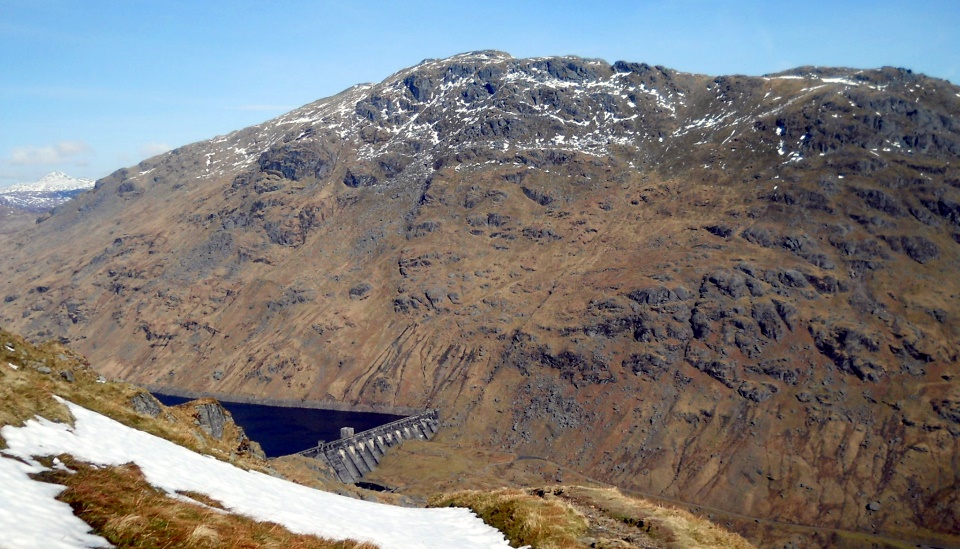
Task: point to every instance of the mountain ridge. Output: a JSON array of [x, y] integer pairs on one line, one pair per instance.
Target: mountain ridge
[[49, 191], [53, 181], [621, 266]]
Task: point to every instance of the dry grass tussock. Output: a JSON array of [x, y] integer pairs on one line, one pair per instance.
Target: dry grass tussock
[[523, 518], [578, 516], [24, 391], [672, 527], [122, 507]]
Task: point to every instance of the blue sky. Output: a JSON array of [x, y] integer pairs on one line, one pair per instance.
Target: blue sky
[[88, 87]]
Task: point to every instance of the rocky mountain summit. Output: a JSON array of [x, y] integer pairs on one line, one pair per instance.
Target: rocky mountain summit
[[49, 191], [691, 286]]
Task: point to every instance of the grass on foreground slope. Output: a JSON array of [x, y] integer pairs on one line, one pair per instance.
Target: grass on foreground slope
[[567, 517], [523, 518], [117, 502], [31, 374], [123, 508], [675, 528]]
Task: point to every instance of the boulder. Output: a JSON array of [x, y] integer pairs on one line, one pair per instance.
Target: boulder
[[211, 417], [146, 404]]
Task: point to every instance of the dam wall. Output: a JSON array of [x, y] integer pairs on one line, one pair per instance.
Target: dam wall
[[355, 455]]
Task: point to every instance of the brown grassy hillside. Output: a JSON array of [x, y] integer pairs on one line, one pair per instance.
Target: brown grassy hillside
[[120, 505], [686, 285]]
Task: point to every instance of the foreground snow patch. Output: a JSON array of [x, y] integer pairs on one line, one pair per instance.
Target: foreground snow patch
[[100, 440], [31, 517]]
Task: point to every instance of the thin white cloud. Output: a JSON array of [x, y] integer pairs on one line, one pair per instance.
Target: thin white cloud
[[73, 147], [153, 149], [60, 153]]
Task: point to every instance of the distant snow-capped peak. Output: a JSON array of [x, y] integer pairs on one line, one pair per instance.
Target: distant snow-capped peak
[[52, 182], [49, 192]]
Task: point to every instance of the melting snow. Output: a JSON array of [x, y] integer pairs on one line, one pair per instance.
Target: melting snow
[[841, 81], [31, 517]]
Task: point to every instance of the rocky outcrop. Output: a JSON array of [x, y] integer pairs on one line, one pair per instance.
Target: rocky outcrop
[[146, 404], [211, 417]]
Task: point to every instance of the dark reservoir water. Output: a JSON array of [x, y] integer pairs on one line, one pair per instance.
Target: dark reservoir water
[[282, 431]]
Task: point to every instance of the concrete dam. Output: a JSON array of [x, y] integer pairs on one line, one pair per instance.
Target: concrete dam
[[354, 455]]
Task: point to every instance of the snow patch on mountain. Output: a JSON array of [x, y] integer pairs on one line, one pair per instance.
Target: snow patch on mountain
[[31, 517], [52, 182], [48, 192]]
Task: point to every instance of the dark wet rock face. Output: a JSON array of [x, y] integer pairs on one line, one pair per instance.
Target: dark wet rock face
[[767, 318], [850, 350], [757, 392], [881, 201], [356, 180], [948, 409], [360, 291], [647, 364], [573, 367], [918, 248], [298, 160], [720, 230], [658, 296]]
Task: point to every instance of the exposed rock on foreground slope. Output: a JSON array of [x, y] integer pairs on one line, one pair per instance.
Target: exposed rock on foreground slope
[[681, 284]]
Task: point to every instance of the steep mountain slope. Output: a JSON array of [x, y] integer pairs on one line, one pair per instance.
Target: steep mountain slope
[[685, 285], [13, 219], [139, 473], [49, 191]]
